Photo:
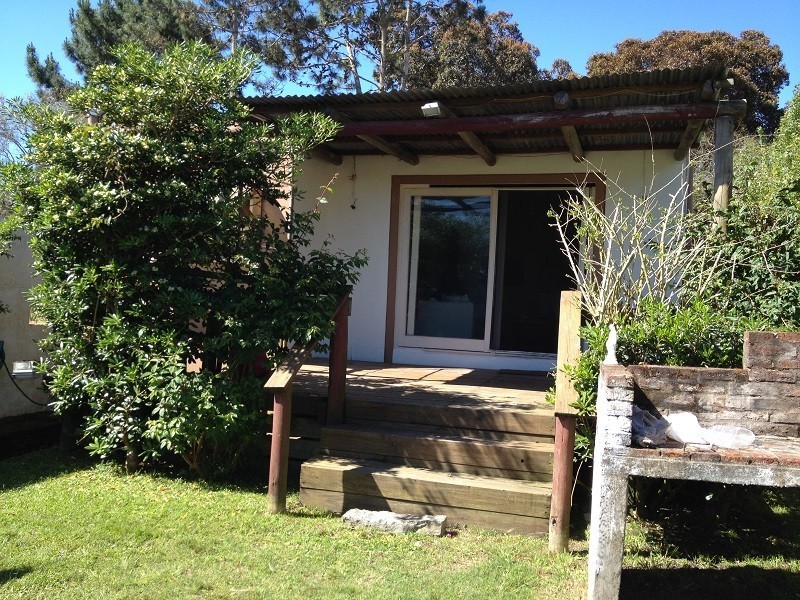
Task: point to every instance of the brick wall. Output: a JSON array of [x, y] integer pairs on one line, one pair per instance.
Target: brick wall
[[764, 396]]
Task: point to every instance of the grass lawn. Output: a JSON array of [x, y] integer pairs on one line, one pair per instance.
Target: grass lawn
[[70, 528]]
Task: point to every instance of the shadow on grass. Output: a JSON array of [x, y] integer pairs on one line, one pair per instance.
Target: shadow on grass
[[33, 467], [734, 522], [7, 575], [730, 583]]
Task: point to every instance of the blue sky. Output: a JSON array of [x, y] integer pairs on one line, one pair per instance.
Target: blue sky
[[569, 30]]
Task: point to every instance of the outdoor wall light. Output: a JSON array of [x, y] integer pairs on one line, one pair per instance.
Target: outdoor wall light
[[432, 109]]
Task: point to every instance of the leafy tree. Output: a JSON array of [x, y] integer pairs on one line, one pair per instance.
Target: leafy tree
[[759, 251], [561, 69], [354, 45], [486, 51], [273, 30], [332, 45], [96, 30], [12, 140], [147, 262], [755, 61]]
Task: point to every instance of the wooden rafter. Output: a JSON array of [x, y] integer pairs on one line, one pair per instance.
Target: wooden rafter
[[472, 140], [376, 140], [561, 101], [390, 148], [693, 127], [324, 153]]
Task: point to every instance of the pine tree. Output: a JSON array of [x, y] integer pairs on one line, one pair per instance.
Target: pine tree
[[155, 24]]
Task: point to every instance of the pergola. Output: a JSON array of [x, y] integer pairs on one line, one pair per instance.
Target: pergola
[[664, 109]]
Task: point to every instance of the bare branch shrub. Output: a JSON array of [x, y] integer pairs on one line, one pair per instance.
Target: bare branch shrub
[[632, 248]]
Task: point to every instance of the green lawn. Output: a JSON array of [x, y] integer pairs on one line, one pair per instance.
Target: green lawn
[[70, 528]]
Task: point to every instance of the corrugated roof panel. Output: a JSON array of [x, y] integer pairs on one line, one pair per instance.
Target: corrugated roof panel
[[662, 88]]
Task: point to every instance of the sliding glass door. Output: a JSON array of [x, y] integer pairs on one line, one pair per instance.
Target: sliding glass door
[[480, 269], [448, 271]]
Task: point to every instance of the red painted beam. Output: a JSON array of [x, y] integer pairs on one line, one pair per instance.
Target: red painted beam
[[500, 123]]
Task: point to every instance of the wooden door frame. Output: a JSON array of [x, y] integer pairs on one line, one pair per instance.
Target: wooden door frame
[[593, 180]]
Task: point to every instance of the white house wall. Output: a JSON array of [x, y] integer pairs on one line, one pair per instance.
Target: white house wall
[[18, 334], [365, 183]]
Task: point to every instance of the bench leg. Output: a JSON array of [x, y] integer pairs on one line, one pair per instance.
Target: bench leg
[[607, 531]]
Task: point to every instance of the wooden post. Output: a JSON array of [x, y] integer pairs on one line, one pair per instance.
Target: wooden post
[[723, 168], [337, 365], [279, 451], [569, 350]]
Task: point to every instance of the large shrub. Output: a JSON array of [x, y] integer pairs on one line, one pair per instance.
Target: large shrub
[[757, 257], [148, 263]]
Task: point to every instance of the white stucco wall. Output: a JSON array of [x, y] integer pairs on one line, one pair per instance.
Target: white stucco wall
[[367, 226], [18, 334]]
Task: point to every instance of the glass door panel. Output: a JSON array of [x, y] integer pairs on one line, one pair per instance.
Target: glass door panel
[[450, 241]]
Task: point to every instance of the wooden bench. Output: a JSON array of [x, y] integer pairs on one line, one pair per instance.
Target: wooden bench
[[764, 397]]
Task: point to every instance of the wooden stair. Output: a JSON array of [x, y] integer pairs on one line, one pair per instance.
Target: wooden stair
[[481, 460]]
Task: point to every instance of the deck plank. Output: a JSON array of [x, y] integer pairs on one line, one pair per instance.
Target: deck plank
[[509, 455], [411, 484], [338, 503]]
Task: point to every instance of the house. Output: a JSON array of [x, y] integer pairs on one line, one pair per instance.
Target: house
[[19, 334], [449, 191]]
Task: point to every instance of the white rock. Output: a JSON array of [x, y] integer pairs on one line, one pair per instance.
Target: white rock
[[390, 522]]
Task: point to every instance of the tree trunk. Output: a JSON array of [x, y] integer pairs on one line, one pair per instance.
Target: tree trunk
[[406, 46]]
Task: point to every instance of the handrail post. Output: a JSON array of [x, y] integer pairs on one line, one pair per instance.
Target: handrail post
[[279, 385], [337, 365], [279, 450], [569, 350]]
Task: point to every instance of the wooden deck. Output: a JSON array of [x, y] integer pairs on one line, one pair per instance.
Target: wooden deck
[[475, 445], [431, 384]]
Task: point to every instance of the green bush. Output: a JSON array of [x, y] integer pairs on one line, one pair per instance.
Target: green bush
[[757, 258], [696, 336], [662, 334], [148, 262]]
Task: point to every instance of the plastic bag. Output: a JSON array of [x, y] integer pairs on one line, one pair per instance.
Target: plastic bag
[[684, 428], [648, 430], [729, 436]]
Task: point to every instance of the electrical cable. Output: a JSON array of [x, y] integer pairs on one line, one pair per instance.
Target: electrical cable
[[28, 398]]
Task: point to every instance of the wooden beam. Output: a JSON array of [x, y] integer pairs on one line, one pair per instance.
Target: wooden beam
[[561, 495], [289, 366], [569, 352], [375, 140], [688, 138], [337, 364], [390, 148], [573, 142], [279, 451], [324, 153], [723, 168], [561, 102], [497, 123], [710, 92], [472, 140]]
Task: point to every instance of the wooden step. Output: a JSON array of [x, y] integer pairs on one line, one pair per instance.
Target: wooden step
[[486, 434], [338, 484], [457, 414], [511, 459]]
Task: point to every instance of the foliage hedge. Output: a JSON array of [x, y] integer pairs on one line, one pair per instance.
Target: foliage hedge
[[149, 264]]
